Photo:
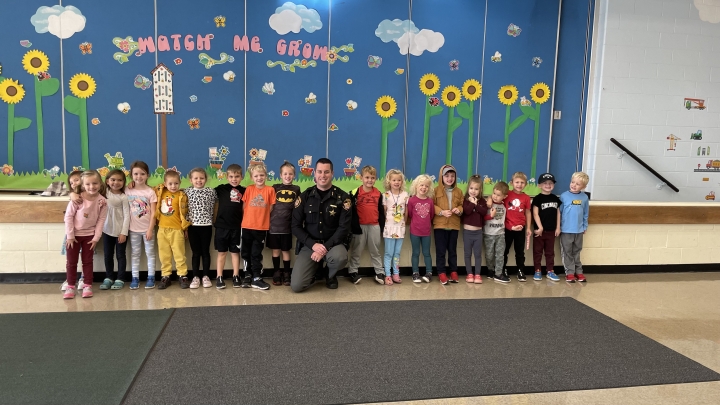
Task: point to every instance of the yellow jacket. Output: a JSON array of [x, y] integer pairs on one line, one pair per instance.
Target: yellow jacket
[[441, 203], [182, 203]]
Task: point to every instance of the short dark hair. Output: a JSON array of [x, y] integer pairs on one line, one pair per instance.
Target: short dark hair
[[324, 161]]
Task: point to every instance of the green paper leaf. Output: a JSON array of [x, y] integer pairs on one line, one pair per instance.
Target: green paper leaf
[[435, 111], [21, 123], [72, 104], [392, 124], [527, 110], [464, 110], [517, 122], [48, 87], [498, 146], [455, 123]]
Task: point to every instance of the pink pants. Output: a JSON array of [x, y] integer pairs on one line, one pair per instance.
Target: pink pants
[[81, 248]]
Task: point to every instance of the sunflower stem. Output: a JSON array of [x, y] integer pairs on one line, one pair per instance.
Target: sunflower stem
[[533, 163], [39, 122], [449, 141], [507, 142], [470, 142], [383, 147], [84, 134], [426, 135], [11, 132]]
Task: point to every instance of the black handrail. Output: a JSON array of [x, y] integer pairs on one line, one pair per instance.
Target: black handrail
[[650, 169]]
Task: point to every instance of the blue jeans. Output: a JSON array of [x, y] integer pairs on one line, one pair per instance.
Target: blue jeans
[[417, 242], [392, 255]]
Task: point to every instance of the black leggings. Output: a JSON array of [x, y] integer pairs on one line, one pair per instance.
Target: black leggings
[[517, 239], [200, 237]]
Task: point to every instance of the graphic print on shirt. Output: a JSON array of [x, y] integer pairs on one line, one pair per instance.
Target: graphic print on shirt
[[166, 206], [139, 206], [285, 196], [422, 209], [551, 205], [576, 202], [258, 201], [515, 205], [235, 196]]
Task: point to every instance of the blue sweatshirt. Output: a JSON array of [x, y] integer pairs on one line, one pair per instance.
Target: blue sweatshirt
[[574, 210]]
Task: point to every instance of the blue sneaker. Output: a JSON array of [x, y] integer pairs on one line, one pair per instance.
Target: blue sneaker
[[134, 283], [552, 276], [537, 276], [150, 282]]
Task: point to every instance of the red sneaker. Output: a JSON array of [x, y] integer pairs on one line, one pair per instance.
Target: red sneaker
[[454, 277], [443, 278], [581, 278], [570, 278]]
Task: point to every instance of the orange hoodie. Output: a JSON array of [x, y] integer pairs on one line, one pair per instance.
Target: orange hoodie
[[441, 203]]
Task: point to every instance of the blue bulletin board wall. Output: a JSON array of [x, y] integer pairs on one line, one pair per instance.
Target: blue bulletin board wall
[[395, 84]]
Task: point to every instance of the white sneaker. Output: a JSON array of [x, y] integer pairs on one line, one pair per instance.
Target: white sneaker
[[195, 283], [81, 283], [206, 282], [64, 285], [69, 293]]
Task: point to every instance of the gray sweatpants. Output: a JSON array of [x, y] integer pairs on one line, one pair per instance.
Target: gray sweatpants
[[494, 252], [372, 238], [472, 241], [570, 247]]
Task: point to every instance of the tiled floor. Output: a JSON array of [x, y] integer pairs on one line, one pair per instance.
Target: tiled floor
[[681, 311]]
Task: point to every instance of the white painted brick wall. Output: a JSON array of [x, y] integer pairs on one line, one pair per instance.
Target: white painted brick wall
[[654, 54]]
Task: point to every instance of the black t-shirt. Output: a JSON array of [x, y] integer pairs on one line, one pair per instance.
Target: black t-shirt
[[547, 210], [230, 206], [281, 215], [323, 193]]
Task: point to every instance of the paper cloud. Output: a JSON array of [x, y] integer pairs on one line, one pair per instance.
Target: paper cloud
[[416, 44], [709, 10], [392, 30], [60, 21], [294, 17]]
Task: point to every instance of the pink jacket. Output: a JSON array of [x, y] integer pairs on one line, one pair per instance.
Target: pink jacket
[[86, 218]]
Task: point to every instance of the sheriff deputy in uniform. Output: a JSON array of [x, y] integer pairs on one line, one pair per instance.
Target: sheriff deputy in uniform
[[321, 223]]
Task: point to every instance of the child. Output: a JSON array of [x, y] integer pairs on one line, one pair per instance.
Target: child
[[74, 181], [420, 214], [142, 201], [259, 201], [395, 202], [280, 238], [115, 230], [474, 211], [172, 220], [448, 203], [83, 227], [573, 224], [227, 224], [494, 233], [201, 202], [517, 223], [368, 218], [547, 226]]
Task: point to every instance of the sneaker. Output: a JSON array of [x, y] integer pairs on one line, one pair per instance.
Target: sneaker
[[380, 278], [286, 278], [388, 280], [69, 293], [570, 278], [236, 282], [331, 283], [81, 283], [150, 283], [195, 283], [478, 279], [454, 277], [443, 278], [354, 278], [164, 283], [491, 276], [470, 278], [396, 278], [521, 275], [206, 283], [184, 282], [134, 283], [505, 273], [502, 279], [87, 291], [277, 278], [106, 284], [259, 284], [581, 278], [416, 278], [64, 285], [247, 281], [538, 275], [427, 277], [552, 276], [219, 283]]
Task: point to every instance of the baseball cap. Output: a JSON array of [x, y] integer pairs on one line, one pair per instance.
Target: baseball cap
[[546, 177], [447, 169]]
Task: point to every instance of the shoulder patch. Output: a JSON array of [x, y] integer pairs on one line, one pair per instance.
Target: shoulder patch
[[298, 201], [347, 204]]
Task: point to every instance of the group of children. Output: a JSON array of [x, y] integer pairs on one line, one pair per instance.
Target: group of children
[[248, 219]]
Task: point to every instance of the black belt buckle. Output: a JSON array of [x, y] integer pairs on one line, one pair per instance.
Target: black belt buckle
[[320, 241]]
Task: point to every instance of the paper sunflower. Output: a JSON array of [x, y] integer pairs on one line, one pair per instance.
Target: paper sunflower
[[508, 94], [82, 85], [429, 84], [540, 93], [451, 96], [11, 91], [35, 62], [472, 89], [385, 106]]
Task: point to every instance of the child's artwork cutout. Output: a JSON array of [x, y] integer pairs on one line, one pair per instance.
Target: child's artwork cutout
[[497, 57], [123, 107], [194, 123], [306, 166], [710, 196], [285, 113], [536, 61], [348, 81], [696, 136], [209, 62], [302, 64], [352, 166], [333, 127], [25, 43], [311, 98], [193, 98], [513, 30], [231, 120], [207, 79], [694, 103], [86, 48], [95, 121], [454, 64], [434, 101], [673, 141], [218, 156], [268, 88], [142, 82], [220, 21], [525, 102], [399, 71], [374, 61], [229, 76], [710, 166], [257, 156], [177, 61], [351, 105], [7, 170]]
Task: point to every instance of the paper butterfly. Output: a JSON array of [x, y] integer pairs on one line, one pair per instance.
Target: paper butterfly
[[194, 123], [268, 88], [454, 64], [311, 98], [513, 30], [497, 57], [220, 21], [374, 61], [86, 48], [142, 82], [351, 105], [525, 102]]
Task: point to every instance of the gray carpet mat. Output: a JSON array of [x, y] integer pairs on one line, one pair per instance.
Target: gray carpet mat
[[402, 350]]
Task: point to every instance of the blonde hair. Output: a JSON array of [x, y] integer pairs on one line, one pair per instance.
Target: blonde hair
[[198, 170], [581, 176], [388, 176], [254, 168], [417, 181], [288, 165], [90, 173], [502, 187], [368, 169], [475, 178], [520, 175]]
